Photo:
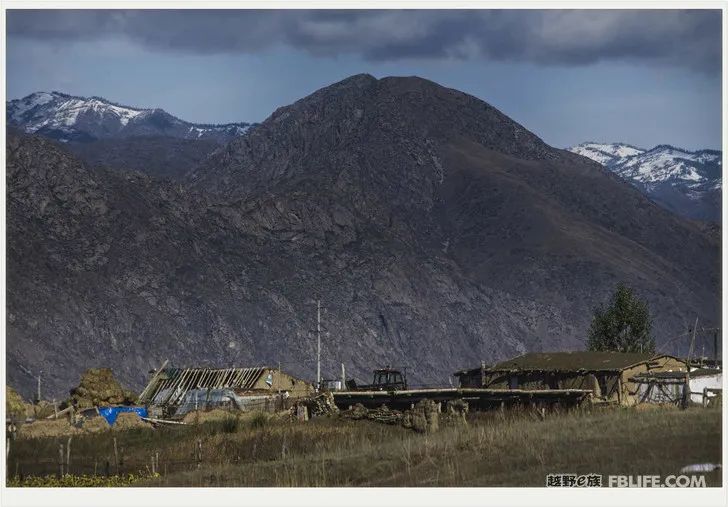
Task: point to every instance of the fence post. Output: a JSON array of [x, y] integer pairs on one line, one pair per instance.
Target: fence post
[[60, 461], [199, 453], [68, 455], [7, 461], [116, 457]]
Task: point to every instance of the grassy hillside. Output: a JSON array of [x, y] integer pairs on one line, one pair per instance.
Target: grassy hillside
[[493, 449]]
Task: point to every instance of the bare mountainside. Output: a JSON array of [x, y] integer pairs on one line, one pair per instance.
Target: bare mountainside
[[157, 156], [436, 231]]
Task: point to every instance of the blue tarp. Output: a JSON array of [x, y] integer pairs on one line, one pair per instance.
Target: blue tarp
[[111, 413]]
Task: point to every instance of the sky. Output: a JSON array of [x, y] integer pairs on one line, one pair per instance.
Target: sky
[[640, 77]]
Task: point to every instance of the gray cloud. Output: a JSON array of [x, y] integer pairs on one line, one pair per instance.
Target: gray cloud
[[687, 38]]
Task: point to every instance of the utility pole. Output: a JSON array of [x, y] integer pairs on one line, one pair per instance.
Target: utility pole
[[686, 386], [37, 398], [715, 348], [692, 341], [318, 344], [343, 377], [716, 333]]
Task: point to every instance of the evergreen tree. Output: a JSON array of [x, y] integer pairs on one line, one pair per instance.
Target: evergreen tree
[[623, 326]]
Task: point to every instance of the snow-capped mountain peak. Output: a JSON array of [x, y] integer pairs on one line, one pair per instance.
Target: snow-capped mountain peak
[[665, 173], [605, 153], [666, 163], [33, 110], [72, 118]]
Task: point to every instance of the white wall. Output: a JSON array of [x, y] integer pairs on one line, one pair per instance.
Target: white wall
[[697, 385]]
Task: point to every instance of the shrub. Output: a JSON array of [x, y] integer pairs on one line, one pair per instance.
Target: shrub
[[229, 424], [259, 420]]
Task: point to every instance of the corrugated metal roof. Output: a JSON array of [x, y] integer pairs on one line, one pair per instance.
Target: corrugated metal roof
[[573, 361]]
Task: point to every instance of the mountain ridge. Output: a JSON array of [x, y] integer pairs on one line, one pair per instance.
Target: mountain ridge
[[683, 181], [437, 232], [69, 117]]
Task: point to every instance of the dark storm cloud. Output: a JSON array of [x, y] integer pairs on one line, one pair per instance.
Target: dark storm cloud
[[689, 39]]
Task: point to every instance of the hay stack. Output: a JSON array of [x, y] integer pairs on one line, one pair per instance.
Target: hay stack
[[15, 406], [95, 424], [202, 416], [218, 414], [124, 421], [98, 387], [129, 420], [47, 428], [423, 418]]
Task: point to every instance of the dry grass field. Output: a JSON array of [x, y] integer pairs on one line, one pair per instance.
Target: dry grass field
[[491, 449]]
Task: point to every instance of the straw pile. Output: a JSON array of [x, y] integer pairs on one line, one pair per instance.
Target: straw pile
[[129, 420], [98, 387], [15, 406], [47, 428]]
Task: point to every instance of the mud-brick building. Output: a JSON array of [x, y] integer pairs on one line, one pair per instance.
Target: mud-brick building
[[172, 392], [609, 375]]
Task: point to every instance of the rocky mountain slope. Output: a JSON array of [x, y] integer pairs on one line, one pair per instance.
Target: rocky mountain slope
[[157, 156], [436, 231], [685, 182]]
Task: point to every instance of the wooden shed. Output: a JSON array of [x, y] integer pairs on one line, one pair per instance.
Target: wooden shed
[[178, 389], [607, 374]]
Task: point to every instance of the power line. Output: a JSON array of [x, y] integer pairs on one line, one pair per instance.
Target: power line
[[668, 342]]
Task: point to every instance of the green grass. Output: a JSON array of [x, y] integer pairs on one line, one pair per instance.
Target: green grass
[[492, 449]]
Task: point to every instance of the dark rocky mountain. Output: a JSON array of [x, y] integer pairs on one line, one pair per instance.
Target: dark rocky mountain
[[157, 156], [436, 231], [688, 183]]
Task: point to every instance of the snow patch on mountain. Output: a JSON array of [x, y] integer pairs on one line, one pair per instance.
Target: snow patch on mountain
[[659, 164], [33, 100], [664, 173], [67, 117], [606, 153]]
